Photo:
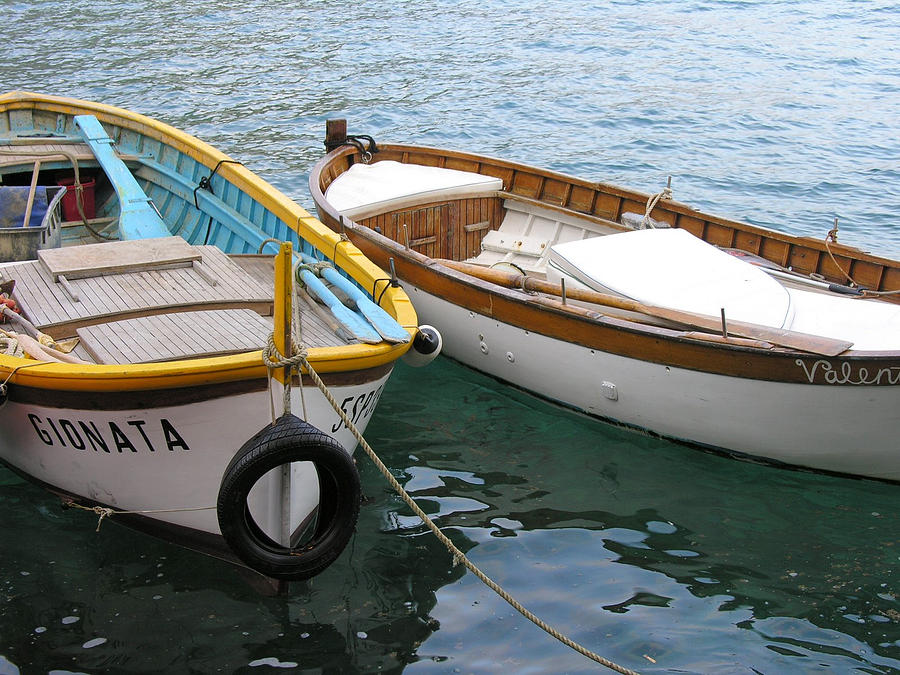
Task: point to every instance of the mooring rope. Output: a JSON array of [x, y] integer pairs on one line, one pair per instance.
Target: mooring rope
[[665, 193], [15, 370], [299, 359], [832, 237], [273, 359]]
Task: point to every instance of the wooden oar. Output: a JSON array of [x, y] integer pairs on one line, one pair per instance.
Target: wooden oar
[[31, 191], [360, 329], [806, 342], [381, 321]]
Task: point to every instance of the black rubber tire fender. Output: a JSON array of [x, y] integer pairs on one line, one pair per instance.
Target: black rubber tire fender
[[290, 439]]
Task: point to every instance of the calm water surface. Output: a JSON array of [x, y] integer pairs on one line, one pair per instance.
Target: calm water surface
[[659, 557]]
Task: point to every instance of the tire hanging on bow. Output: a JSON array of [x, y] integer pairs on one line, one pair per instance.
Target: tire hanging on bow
[[290, 439]]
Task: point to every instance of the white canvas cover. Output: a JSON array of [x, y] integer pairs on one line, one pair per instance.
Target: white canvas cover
[[369, 189], [672, 268]]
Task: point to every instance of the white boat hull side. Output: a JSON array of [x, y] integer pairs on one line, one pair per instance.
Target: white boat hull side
[[846, 429], [170, 457]]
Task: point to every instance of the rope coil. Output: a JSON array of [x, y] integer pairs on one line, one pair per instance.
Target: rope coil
[[9, 346], [314, 267], [272, 358]]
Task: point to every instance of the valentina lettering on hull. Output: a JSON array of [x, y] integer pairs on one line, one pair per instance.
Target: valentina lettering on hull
[[132, 436], [849, 374]]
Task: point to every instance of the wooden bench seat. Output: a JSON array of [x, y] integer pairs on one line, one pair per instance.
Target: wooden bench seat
[[177, 335], [528, 231], [59, 307], [193, 334]]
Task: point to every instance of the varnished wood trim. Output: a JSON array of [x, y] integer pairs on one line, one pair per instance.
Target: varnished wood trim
[[783, 249]]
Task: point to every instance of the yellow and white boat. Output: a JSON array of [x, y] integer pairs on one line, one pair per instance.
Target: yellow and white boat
[[133, 375]]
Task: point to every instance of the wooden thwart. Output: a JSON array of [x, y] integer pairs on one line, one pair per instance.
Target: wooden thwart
[[806, 342], [176, 335], [144, 286], [137, 255]]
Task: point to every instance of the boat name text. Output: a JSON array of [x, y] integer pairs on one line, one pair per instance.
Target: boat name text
[[88, 435], [363, 406], [847, 373]]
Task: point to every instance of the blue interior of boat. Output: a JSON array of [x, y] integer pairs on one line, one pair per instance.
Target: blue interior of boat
[[161, 191]]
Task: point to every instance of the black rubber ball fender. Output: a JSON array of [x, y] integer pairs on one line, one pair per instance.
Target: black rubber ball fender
[[290, 439]]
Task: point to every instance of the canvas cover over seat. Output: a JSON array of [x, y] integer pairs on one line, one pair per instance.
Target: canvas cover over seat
[[368, 189], [672, 268]]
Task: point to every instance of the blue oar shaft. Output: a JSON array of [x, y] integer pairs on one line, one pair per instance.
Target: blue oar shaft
[[383, 322]]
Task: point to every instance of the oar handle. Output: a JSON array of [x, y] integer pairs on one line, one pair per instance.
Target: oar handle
[[31, 192], [526, 283]]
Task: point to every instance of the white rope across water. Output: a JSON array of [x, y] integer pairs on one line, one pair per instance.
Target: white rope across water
[[275, 360]]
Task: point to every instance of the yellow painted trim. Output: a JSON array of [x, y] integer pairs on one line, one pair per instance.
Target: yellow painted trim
[[282, 313], [196, 372], [186, 373]]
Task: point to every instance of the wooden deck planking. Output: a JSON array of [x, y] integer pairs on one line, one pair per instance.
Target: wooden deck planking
[[176, 336], [118, 316], [315, 333], [260, 267], [48, 303], [39, 298], [93, 260]]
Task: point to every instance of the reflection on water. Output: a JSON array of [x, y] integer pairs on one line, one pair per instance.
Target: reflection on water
[[622, 534]]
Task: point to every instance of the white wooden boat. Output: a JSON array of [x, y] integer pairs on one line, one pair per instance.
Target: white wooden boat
[[147, 395], [633, 307]]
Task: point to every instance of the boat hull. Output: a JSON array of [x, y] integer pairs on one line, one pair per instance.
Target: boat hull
[[163, 453], [783, 422], [152, 437]]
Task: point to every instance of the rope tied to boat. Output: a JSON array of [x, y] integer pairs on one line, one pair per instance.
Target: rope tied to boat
[[107, 512], [77, 185], [30, 364], [316, 267], [665, 193], [832, 237], [274, 359], [458, 556], [365, 152]]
